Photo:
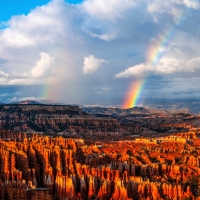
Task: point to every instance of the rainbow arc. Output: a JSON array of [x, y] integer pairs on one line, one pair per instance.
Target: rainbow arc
[[155, 52]]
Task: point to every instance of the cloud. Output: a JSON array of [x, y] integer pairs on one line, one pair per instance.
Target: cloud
[[5, 94], [173, 11], [45, 49], [177, 88], [105, 37], [30, 98], [3, 74], [189, 3], [91, 64], [12, 99], [159, 6], [43, 66], [107, 10], [165, 66], [41, 25]]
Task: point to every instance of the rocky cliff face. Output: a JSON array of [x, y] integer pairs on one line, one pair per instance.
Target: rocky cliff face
[[114, 111], [71, 121], [53, 119], [48, 168]]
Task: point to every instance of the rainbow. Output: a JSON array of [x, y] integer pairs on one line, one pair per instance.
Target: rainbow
[[164, 40], [133, 97], [51, 90], [155, 52]]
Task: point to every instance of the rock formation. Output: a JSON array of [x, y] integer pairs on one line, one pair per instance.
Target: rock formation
[[47, 168]]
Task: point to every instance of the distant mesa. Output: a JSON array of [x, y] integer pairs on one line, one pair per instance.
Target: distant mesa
[[115, 111], [112, 111], [29, 102], [52, 119]]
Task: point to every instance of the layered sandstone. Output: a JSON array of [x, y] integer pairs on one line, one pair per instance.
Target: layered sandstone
[[55, 119], [46, 168]]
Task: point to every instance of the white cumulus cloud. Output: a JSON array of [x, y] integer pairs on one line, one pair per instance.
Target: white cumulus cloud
[[43, 66], [164, 67], [91, 64], [108, 10]]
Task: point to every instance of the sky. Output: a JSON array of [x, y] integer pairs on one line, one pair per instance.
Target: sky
[[102, 52]]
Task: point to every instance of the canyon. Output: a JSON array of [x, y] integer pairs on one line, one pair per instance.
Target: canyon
[[56, 152], [53, 120], [98, 123], [43, 167]]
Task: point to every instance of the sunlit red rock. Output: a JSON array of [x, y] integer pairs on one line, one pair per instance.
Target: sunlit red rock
[[49, 168]]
